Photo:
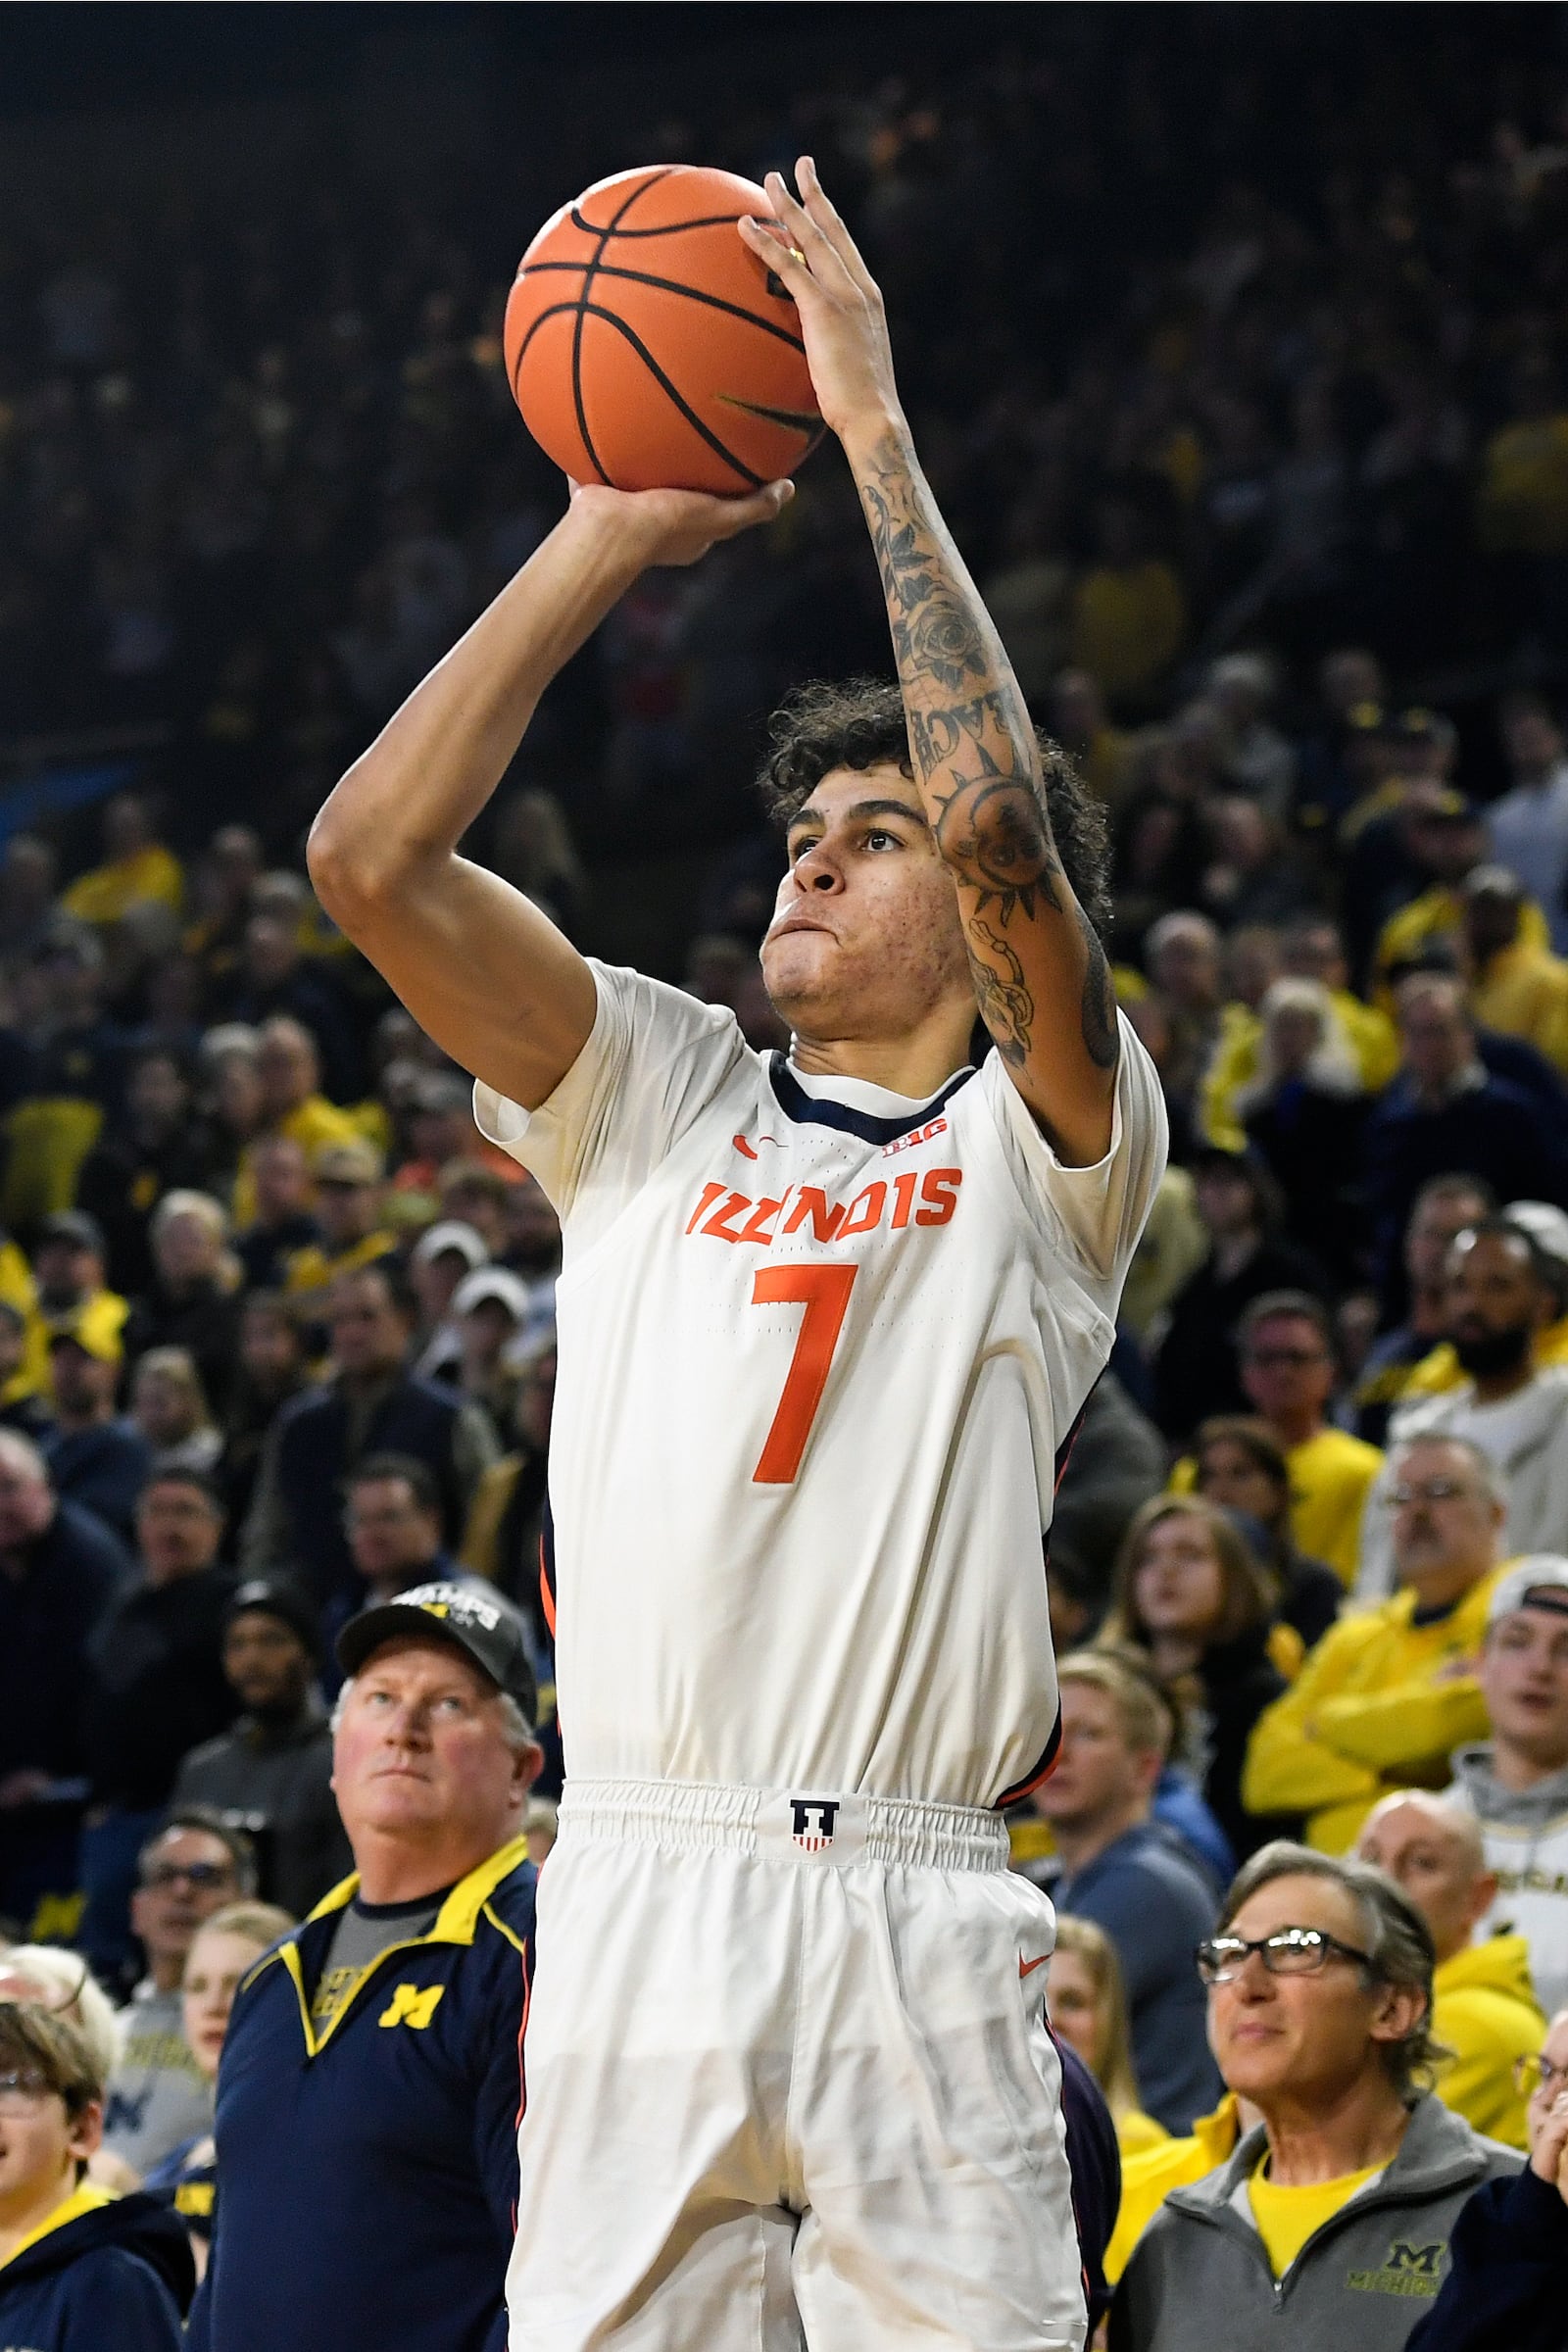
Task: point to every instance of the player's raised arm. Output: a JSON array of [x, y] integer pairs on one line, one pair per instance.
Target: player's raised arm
[[1040, 971], [478, 965]]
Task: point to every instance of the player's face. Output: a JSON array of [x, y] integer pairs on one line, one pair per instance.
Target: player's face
[[421, 1752], [865, 940]]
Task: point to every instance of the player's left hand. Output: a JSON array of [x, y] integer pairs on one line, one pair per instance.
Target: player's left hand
[[846, 330]]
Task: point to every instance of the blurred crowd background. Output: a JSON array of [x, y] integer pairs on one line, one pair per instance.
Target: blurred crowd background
[[1235, 346]]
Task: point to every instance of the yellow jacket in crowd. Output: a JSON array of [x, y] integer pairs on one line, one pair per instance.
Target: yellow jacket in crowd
[[1484, 2007], [1437, 920], [1331, 1476], [1148, 2176], [1379, 1704], [1371, 1033], [1524, 993], [110, 891]]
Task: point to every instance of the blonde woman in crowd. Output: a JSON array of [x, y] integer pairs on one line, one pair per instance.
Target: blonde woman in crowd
[[1086, 2006], [227, 1948]]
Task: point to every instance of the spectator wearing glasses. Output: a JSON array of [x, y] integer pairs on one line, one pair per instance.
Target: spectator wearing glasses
[[1484, 2006], [1516, 1783], [1501, 1294], [1505, 2292], [79, 2267], [46, 1976], [157, 2096], [225, 1950], [1285, 1343], [1390, 1693], [1334, 2214]]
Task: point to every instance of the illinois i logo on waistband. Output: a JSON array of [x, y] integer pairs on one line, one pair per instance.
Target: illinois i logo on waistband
[[812, 1820]]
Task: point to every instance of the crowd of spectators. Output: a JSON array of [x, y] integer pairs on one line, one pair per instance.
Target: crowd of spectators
[[1278, 539]]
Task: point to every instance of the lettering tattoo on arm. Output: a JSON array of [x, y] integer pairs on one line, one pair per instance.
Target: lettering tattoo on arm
[[975, 759]]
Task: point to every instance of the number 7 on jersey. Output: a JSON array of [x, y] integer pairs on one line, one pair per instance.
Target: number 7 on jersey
[[824, 1293]]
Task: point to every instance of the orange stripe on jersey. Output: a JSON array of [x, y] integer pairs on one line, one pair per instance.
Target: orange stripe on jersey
[[545, 1595]]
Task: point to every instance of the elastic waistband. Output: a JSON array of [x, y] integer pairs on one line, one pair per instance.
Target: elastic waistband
[[815, 1826]]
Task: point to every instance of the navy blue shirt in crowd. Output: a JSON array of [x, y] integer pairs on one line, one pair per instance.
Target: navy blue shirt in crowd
[[1157, 1905], [114, 2279], [368, 2171]]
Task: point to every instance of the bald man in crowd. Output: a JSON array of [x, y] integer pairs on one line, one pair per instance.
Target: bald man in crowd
[[1484, 2006]]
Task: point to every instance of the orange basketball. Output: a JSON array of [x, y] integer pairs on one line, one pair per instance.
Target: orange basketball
[[649, 348]]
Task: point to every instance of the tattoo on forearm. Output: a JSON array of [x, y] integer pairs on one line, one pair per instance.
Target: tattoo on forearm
[[975, 759], [1097, 1008], [1006, 1006]]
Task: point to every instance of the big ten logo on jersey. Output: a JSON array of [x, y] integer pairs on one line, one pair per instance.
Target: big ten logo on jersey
[[921, 1134], [916, 1197]]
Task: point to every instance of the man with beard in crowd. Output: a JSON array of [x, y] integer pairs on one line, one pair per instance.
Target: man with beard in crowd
[[271, 1774], [1499, 1295]]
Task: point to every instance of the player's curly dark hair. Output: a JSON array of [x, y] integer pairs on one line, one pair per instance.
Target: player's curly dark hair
[[858, 723]]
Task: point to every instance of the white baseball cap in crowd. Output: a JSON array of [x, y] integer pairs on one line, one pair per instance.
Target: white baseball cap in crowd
[[449, 1235], [493, 1282], [1539, 1581]]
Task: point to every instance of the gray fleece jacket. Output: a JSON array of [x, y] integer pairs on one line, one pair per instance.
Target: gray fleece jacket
[[1200, 2280], [1525, 1837]]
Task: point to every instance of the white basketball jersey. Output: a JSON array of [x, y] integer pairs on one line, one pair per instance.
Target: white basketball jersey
[[821, 1353]]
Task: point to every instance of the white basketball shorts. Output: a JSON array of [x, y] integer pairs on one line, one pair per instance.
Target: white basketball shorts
[[788, 2082]]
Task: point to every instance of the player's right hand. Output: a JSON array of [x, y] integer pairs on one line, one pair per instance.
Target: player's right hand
[[675, 526]]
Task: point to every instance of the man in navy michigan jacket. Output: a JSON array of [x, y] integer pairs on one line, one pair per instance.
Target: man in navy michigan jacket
[[372, 2081]]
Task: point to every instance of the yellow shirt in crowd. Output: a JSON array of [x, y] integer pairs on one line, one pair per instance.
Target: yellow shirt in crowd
[[1381, 1703], [1287, 2217], [1331, 1475]]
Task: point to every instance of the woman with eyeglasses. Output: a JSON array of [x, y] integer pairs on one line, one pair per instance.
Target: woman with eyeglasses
[[224, 1950], [1507, 2291], [1329, 2225], [82, 2270]]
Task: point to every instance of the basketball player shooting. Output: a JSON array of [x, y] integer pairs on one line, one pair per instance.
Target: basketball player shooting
[[826, 1324]]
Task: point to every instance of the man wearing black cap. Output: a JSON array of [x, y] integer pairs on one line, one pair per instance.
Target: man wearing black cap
[[371, 2078], [271, 1774]]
